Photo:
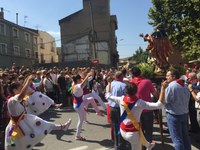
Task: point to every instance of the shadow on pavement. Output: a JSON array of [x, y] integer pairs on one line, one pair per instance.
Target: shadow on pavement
[[105, 143]]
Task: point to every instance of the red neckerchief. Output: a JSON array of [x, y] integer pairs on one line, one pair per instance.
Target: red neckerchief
[[8, 97], [137, 80], [130, 99], [180, 82], [118, 80]]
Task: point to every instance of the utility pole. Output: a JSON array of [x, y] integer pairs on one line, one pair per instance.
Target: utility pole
[[93, 33]]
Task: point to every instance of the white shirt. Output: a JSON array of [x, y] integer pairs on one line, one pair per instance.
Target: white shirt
[[15, 108], [78, 91], [137, 109]]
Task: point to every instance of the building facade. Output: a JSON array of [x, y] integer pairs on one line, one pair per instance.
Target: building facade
[[17, 44], [89, 34], [47, 52]]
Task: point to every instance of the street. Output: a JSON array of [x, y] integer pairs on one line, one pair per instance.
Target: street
[[96, 132]]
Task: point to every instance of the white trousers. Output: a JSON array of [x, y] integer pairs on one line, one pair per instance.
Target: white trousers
[[134, 139], [97, 97], [81, 116]]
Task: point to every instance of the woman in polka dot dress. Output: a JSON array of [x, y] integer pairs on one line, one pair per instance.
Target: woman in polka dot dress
[[24, 130]]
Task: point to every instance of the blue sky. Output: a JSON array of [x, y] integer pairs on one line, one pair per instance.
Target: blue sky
[[132, 16]]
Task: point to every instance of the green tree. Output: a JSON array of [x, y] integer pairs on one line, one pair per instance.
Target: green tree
[[140, 56], [182, 23]]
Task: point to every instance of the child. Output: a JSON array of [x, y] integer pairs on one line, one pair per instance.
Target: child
[[25, 130], [78, 103], [130, 111]]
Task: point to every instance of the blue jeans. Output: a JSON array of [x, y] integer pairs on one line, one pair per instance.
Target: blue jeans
[[178, 128]]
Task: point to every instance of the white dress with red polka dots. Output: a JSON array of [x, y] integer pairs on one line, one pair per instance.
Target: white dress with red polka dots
[[33, 127], [37, 103]]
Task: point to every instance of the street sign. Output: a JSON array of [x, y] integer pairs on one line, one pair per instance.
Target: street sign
[[95, 61]]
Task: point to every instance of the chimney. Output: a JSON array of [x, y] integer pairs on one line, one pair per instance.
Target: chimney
[[1, 14], [17, 18]]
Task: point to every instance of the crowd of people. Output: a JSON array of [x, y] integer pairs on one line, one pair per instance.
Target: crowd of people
[[129, 96]]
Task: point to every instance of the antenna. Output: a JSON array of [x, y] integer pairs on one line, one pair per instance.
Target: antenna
[[25, 21], [37, 26], [7, 10]]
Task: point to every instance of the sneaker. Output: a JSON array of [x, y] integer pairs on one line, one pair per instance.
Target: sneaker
[[156, 121], [85, 121], [66, 125], [80, 138], [58, 105], [165, 130], [151, 145], [100, 114]]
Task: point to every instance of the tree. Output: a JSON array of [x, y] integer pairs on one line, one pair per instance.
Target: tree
[[140, 56], [182, 21]]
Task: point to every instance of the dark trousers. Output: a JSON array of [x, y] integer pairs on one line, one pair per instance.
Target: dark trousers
[[147, 125], [194, 126], [52, 95], [63, 97], [119, 142], [1, 112]]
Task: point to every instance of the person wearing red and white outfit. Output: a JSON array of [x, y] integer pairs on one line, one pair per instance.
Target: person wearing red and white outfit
[[25, 130], [90, 97], [128, 131], [78, 103]]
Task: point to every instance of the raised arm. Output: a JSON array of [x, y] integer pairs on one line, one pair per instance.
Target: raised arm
[[194, 95], [25, 87], [162, 92], [108, 95], [83, 83]]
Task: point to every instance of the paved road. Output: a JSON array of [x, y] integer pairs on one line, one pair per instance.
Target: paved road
[[97, 133]]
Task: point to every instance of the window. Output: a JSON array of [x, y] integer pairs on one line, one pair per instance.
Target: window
[[52, 47], [2, 29], [36, 55], [15, 33], [102, 46], [42, 58], [3, 48], [28, 53], [35, 40], [41, 43], [27, 37], [16, 50]]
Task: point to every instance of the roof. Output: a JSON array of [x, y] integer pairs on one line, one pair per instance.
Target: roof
[[114, 18], [68, 18], [18, 26]]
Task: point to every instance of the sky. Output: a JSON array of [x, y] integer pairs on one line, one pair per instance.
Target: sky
[[132, 16]]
